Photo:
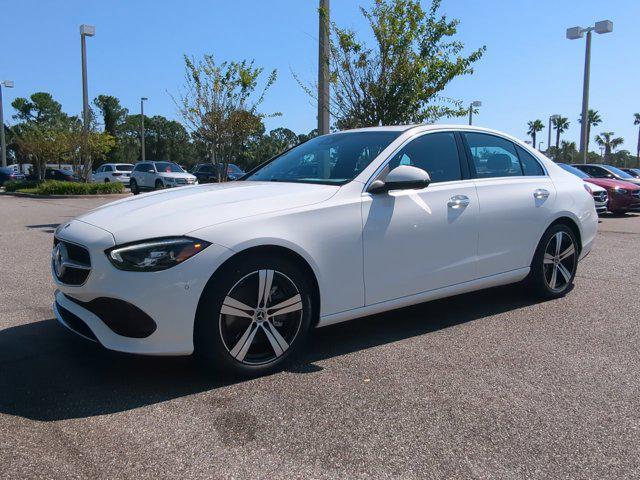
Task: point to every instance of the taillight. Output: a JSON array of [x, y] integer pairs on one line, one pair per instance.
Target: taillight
[[116, 174]]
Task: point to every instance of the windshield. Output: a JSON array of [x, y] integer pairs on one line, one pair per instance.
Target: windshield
[[331, 159], [168, 167], [234, 168], [618, 172], [574, 170], [124, 168]]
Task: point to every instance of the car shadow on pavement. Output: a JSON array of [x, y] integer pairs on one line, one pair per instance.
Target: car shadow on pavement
[[48, 374]]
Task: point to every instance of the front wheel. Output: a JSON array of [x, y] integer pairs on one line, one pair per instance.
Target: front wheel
[[133, 186], [159, 185], [253, 316], [555, 262]]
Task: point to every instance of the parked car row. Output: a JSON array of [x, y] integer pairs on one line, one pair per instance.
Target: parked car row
[[622, 189], [9, 174]]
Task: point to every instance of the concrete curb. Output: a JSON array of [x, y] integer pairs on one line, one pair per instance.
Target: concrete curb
[[115, 196]]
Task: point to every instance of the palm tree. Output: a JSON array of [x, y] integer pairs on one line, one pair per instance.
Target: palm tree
[[606, 140], [636, 121], [594, 120], [567, 152], [560, 124], [535, 126]]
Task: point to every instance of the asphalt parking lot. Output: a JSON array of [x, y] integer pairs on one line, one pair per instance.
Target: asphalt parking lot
[[487, 385]]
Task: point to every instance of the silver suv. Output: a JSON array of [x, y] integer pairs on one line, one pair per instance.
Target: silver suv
[[158, 175]]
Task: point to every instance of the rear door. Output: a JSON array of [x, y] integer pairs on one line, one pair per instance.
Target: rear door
[[516, 199]]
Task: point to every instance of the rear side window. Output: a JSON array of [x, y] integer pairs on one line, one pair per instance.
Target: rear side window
[[108, 168], [124, 168], [435, 153], [530, 165], [493, 156]]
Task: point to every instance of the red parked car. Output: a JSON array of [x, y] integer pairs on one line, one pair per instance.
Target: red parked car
[[623, 196]]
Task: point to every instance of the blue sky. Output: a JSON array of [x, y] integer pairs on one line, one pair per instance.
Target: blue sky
[[529, 71]]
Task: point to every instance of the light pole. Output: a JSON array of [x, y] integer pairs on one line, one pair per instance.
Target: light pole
[[85, 31], [551, 119], [142, 99], [603, 26], [323, 68], [8, 84], [475, 103]]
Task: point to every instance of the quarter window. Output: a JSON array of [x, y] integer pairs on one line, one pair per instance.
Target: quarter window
[[493, 156], [530, 165], [435, 153]]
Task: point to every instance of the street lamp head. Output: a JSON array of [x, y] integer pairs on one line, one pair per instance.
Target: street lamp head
[[144, 98], [87, 30], [7, 83], [604, 26], [575, 33], [476, 103]]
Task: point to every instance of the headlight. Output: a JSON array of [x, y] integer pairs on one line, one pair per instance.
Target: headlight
[[621, 191], [155, 255]]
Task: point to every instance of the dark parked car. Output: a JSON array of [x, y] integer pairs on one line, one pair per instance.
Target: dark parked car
[[56, 174], [8, 174], [208, 172], [634, 172], [607, 171]]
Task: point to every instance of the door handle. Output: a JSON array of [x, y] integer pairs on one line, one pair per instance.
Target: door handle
[[541, 194], [458, 201]]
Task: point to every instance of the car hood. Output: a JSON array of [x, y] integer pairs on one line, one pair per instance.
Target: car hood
[[178, 211], [609, 183]]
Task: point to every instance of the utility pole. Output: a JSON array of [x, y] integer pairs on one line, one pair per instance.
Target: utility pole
[[85, 31], [8, 84], [142, 99], [323, 68], [574, 33]]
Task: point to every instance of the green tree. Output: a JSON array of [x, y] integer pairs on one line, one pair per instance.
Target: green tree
[[567, 153], [113, 116], [560, 125], [220, 104], [594, 120], [636, 121], [40, 108], [609, 142], [535, 126], [401, 78]]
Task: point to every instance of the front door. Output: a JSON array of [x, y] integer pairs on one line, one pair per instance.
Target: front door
[[420, 240]]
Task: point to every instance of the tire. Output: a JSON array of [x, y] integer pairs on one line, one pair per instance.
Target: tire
[[254, 343], [553, 269], [159, 185], [133, 186], [106, 180]]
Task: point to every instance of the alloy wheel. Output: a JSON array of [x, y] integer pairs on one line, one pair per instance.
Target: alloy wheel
[[559, 261], [261, 317]]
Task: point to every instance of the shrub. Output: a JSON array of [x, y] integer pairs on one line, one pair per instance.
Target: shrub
[[14, 185], [55, 187]]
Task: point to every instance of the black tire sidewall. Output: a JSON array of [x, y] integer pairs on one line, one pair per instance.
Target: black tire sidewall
[[208, 343], [133, 186], [159, 185], [537, 277]]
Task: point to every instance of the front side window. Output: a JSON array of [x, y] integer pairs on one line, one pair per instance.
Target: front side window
[[435, 153], [619, 173], [331, 159], [493, 156], [99, 170], [597, 172]]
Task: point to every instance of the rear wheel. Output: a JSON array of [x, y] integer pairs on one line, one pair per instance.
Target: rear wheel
[[106, 180], [253, 316], [555, 262], [133, 186]]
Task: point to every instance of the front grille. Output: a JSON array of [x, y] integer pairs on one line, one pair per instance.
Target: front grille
[[71, 263], [636, 194], [600, 196]]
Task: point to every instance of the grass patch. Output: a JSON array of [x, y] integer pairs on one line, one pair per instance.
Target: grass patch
[[55, 187]]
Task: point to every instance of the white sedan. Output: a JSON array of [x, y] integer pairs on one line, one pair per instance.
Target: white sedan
[[343, 226]]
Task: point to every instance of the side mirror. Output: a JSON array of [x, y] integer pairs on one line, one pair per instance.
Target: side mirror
[[403, 177], [151, 170]]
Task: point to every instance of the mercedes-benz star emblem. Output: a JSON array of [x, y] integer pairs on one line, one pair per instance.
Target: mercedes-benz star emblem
[[60, 257]]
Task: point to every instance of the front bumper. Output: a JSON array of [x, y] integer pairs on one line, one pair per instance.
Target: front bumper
[[169, 297]]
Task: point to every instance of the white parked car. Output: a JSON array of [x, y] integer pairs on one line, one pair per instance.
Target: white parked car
[[343, 226], [113, 172], [158, 175]]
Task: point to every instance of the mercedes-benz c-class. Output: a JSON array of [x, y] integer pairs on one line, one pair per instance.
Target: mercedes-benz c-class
[[342, 226]]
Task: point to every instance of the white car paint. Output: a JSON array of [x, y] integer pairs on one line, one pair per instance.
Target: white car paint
[[369, 253], [148, 178], [112, 172]]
